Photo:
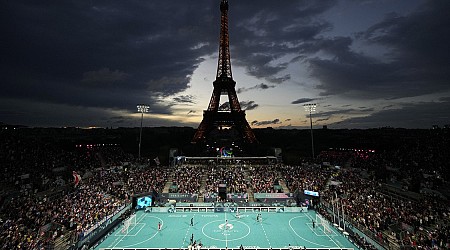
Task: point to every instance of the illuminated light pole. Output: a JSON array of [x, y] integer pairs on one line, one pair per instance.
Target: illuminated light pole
[[311, 107], [143, 108]]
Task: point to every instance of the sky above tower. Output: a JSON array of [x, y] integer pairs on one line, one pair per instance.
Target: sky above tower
[[366, 64]]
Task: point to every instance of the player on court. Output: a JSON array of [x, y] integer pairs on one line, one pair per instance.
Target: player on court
[[159, 225]]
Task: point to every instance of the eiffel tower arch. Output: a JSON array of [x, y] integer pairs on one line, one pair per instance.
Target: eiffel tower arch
[[227, 124]]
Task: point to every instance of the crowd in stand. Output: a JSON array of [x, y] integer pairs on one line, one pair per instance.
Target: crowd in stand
[[27, 163], [30, 218], [81, 208], [263, 178], [414, 163], [335, 157], [188, 178], [147, 180], [408, 222], [30, 166], [233, 177], [305, 177]]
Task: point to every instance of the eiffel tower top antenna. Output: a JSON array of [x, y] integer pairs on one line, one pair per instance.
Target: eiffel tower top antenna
[[224, 64]]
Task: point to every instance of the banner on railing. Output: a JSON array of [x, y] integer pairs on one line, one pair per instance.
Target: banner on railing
[[179, 196], [91, 232], [273, 195]]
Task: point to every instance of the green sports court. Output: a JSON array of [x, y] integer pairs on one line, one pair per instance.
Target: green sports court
[[223, 230]]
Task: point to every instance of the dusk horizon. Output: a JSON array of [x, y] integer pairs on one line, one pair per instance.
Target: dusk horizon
[[368, 64]]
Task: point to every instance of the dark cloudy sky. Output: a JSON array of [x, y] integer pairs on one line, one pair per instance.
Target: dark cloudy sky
[[88, 63]]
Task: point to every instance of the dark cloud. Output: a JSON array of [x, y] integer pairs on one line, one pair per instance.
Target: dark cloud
[[224, 106], [114, 54], [103, 77], [413, 115], [264, 86], [248, 105], [444, 99], [303, 100], [341, 113], [245, 105], [417, 62], [186, 99], [323, 119], [367, 109], [35, 114], [261, 86], [272, 31], [263, 123], [117, 120], [348, 72], [334, 112], [424, 34], [191, 112], [279, 80], [77, 62], [103, 54]]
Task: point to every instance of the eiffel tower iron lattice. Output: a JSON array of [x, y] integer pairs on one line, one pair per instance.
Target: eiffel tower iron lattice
[[215, 117]]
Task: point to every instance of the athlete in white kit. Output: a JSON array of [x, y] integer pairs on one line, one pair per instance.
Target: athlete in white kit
[[238, 215]]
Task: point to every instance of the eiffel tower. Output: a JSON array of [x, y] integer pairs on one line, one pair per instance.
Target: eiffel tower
[[216, 118]]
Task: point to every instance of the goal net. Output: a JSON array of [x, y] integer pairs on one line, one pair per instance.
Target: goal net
[[324, 223], [129, 224]]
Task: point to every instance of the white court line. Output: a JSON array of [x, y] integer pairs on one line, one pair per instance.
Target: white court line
[[225, 228], [220, 221], [142, 217], [325, 233], [187, 233], [156, 233], [267, 238], [119, 233], [321, 230], [295, 232], [143, 225]]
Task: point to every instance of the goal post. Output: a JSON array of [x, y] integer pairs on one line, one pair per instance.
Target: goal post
[[129, 224], [321, 221]]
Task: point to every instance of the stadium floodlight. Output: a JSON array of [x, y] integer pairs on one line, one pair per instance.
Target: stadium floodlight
[[143, 108], [311, 107]]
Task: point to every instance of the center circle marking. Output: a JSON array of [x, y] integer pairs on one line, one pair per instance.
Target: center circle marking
[[221, 227]]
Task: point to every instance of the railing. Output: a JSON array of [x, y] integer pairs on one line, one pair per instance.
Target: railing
[[64, 243], [229, 209], [350, 223], [93, 232], [292, 248]]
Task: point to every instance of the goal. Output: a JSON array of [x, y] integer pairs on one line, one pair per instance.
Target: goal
[[129, 224], [324, 223]]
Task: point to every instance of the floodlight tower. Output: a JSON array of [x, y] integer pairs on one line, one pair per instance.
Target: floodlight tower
[[311, 107], [143, 108]]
